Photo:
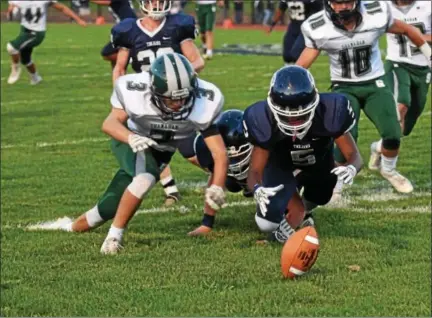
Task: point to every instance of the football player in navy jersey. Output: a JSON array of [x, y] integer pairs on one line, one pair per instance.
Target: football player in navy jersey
[[299, 11], [142, 40], [120, 10], [230, 126], [157, 33], [295, 128]]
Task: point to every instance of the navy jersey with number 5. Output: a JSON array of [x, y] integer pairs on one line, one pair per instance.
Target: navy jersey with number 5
[[333, 117], [144, 46]]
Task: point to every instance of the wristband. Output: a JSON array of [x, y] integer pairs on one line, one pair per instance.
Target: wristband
[[208, 220]]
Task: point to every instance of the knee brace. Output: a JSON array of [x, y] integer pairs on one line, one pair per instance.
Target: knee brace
[[93, 217], [11, 50], [141, 184], [391, 144], [264, 225]]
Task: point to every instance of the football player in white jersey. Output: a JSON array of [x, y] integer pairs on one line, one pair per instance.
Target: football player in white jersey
[[349, 31], [407, 70], [33, 28], [161, 108]]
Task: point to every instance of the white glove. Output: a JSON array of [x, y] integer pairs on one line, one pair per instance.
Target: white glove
[[140, 143], [215, 197], [262, 196], [345, 173]]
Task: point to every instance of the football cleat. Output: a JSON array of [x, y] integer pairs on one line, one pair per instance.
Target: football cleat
[[14, 75], [207, 56], [375, 158], [34, 80], [172, 199], [111, 246], [398, 181], [307, 221]]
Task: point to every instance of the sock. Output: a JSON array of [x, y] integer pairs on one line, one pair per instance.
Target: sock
[[388, 164], [338, 187], [93, 217], [115, 232], [377, 146], [209, 52], [169, 185], [309, 206], [15, 66], [204, 47]]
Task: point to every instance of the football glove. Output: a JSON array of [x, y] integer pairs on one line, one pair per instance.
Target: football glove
[[215, 197], [345, 173], [262, 196], [140, 143]]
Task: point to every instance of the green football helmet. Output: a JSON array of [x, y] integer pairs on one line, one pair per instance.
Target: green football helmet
[[173, 84]]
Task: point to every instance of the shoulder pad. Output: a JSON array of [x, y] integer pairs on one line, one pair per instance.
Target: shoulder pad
[[182, 19], [373, 7], [125, 25], [339, 116], [257, 126], [316, 20]]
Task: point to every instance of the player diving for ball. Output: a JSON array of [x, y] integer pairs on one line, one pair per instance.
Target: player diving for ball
[[349, 31], [295, 128], [145, 39]]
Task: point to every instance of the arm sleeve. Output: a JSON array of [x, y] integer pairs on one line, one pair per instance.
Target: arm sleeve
[[117, 100], [187, 29], [309, 42]]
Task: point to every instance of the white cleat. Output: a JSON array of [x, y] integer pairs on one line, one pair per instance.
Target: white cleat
[[34, 80], [14, 75], [398, 181], [111, 246], [375, 158], [61, 224]]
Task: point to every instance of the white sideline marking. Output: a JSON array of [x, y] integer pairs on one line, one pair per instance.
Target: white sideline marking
[[57, 143], [59, 100], [85, 75]]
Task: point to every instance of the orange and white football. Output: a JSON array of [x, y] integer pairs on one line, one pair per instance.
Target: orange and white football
[[299, 252]]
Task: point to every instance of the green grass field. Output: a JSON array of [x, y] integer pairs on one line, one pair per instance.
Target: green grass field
[[56, 162]]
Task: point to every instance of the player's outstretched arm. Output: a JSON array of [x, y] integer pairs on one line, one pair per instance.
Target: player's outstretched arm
[[354, 161], [414, 34], [308, 56], [114, 126], [259, 158], [121, 63], [190, 50], [218, 151], [65, 10]]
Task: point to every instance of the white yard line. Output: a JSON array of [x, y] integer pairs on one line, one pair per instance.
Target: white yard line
[[57, 143]]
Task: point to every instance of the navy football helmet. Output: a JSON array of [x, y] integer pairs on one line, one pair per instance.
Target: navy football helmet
[[293, 99], [230, 125], [345, 15]]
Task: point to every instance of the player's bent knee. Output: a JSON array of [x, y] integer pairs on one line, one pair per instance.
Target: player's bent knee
[[11, 50], [264, 225], [141, 184], [391, 143]]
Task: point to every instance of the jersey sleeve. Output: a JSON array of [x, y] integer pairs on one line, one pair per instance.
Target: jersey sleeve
[[186, 29], [207, 120], [307, 34], [390, 18], [120, 34], [117, 100], [256, 126], [341, 118]]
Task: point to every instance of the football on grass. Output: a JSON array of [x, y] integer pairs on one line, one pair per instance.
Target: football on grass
[[299, 252]]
